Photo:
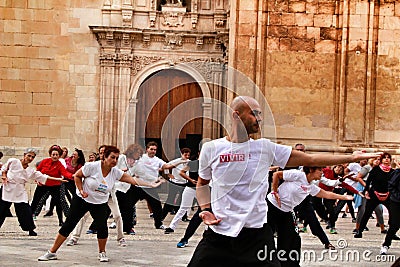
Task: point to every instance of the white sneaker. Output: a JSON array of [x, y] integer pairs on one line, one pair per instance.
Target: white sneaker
[[48, 256], [113, 225], [72, 242], [122, 242], [103, 257], [384, 250]]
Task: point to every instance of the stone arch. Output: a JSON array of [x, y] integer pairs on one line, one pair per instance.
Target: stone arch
[[148, 71]]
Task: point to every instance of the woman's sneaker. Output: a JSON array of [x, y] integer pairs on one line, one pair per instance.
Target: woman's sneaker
[[103, 257], [113, 225], [48, 256], [122, 242], [72, 242], [182, 244], [384, 250]]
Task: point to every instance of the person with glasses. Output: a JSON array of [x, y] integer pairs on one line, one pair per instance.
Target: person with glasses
[[15, 175]]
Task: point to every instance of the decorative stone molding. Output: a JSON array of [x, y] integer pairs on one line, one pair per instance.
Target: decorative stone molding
[[139, 62], [173, 40], [127, 17], [173, 16], [152, 18], [219, 20], [203, 65], [199, 40]]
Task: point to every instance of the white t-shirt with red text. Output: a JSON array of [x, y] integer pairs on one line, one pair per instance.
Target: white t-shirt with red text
[[239, 176]]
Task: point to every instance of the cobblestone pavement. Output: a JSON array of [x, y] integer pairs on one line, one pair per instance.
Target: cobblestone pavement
[[151, 247]]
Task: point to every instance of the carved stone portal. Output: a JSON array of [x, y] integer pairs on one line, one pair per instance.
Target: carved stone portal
[[173, 16]]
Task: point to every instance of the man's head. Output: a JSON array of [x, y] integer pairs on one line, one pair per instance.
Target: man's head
[[151, 149], [300, 147], [185, 153], [246, 114]]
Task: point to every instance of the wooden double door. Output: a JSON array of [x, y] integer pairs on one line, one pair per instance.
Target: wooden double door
[[169, 111]]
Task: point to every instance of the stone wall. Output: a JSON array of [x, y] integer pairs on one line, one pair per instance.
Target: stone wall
[[49, 75], [329, 69]]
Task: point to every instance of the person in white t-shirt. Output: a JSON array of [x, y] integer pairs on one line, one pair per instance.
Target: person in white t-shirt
[[93, 193], [148, 169], [176, 183], [351, 172], [281, 201], [15, 174], [235, 210]]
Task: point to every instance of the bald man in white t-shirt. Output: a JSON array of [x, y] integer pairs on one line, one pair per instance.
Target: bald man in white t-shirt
[[235, 210]]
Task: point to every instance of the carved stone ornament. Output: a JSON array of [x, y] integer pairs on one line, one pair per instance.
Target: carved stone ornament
[[126, 18], [206, 66], [219, 20], [152, 18], [173, 16], [173, 40], [139, 62]]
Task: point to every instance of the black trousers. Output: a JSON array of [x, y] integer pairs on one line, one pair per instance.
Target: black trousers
[[22, 210], [306, 211], [349, 203], [369, 208], [126, 207], [288, 242], [252, 247], [54, 191], [394, 223], [79, 207], [151, 195], [194, 223]]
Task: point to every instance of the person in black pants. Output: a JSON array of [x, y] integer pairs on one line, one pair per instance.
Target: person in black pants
[[376, 190], [394, 211], [306, 211]]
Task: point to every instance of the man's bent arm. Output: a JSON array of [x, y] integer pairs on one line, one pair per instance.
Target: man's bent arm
[[203, 193]]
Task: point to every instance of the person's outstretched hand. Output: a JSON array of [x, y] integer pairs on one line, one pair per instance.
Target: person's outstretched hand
[[209, 218]]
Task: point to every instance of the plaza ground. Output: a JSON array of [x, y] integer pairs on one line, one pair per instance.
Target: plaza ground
[[151, 247]]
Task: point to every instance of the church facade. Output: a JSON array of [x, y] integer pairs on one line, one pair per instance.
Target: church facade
[[327, 73]]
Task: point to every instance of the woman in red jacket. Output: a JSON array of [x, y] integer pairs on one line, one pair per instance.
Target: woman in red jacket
[[52, 167]]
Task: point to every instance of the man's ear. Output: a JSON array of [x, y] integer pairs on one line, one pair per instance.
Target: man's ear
[[236, 115]]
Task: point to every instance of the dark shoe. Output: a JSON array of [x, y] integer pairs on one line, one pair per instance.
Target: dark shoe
[[354, 220], [358, 235], [377, 225], [355, 231], [344, 215], [366, 228], [384, 231], [49, 214], [132, 232], [60, 224], [32, 233], [330, 246], [396, 237], [168, 230]]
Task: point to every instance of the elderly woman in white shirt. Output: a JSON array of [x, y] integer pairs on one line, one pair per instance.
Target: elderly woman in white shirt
[[295, 188], [15, 174]]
